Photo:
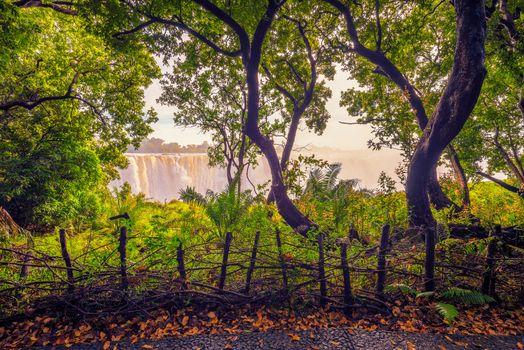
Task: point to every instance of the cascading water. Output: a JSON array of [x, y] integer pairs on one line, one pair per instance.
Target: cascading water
[[162, 176]]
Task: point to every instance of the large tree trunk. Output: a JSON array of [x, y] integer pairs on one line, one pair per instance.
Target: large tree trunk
[[387, 68], [437, 197], [454, 108], [287, 209]]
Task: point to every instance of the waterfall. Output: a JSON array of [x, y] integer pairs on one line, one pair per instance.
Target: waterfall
[[162, 176]]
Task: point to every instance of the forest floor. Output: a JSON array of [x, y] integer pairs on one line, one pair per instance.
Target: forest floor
[[408, 325], [317, 339]]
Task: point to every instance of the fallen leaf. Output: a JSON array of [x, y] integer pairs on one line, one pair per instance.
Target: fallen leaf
[[520, 346], [294, 337], [185, 320], [410, 345], [147, 346], [107, 344], [211, 315]]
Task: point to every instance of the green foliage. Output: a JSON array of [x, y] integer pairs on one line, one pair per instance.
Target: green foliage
[[448, 311], [403, 288], [57, 157], [226, 209], [466, 296], [190, 195]]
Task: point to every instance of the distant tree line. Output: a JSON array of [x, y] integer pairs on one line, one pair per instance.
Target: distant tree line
[[156, 145]]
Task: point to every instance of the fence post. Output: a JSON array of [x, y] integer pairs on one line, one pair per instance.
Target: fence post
[[322, 270], [252, 262], [67, 260], [223, 270], [122, 250], [488, 282], [281, 259], [381, 266], [24, 269], [429, 263], [181, 266], [348, 293]]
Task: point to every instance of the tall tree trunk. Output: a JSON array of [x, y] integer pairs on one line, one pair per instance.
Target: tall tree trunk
[[450, 115], [454, 108], [287, 209], [387, 68]]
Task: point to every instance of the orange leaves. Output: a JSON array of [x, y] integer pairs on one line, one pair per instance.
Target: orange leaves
[[294, 337], [410, 317]]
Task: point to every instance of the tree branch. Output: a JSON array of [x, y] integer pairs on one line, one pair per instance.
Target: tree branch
[[29, 105], [501, 183], [59, 6]]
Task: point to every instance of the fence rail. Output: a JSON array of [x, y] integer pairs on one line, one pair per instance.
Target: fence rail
[[221, 271]]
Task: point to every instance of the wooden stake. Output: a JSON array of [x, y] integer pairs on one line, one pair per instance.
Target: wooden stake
[[429, 264], [181, 266], [488, 282], [282, 262], [67, 260], [381, 266], [223, 271], [321, 270], [251, 268], [348, 293], [122, 250]]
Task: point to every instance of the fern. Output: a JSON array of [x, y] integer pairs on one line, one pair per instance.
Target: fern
[[404, 288], [448, 311], [466, 296], [425, 294]]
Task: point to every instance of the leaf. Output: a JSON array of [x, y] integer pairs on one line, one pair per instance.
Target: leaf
[[147, 346], [211, 315], [448, 311], [467, 296], [107, 344], [294, 337], [520, 346], [424, 294], [410, 345], [185, 320]]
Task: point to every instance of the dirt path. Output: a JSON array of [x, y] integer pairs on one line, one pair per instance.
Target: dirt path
[[334, 338]]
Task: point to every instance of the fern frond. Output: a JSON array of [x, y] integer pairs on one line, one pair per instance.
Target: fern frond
[[466, 296], [448, 311], [425, 294], [404, 288]]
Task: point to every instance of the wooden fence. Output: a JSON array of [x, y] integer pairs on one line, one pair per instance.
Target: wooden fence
[[220, 271]]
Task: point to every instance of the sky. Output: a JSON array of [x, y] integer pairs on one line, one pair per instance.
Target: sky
[[344, 137]]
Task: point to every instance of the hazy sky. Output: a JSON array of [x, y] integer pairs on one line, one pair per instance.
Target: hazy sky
[[349, 137]]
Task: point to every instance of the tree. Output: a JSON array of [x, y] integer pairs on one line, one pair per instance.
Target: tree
[[400, 61], [295, 73], [228, 29], [451, 112], [70, 107], [211, 94]]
